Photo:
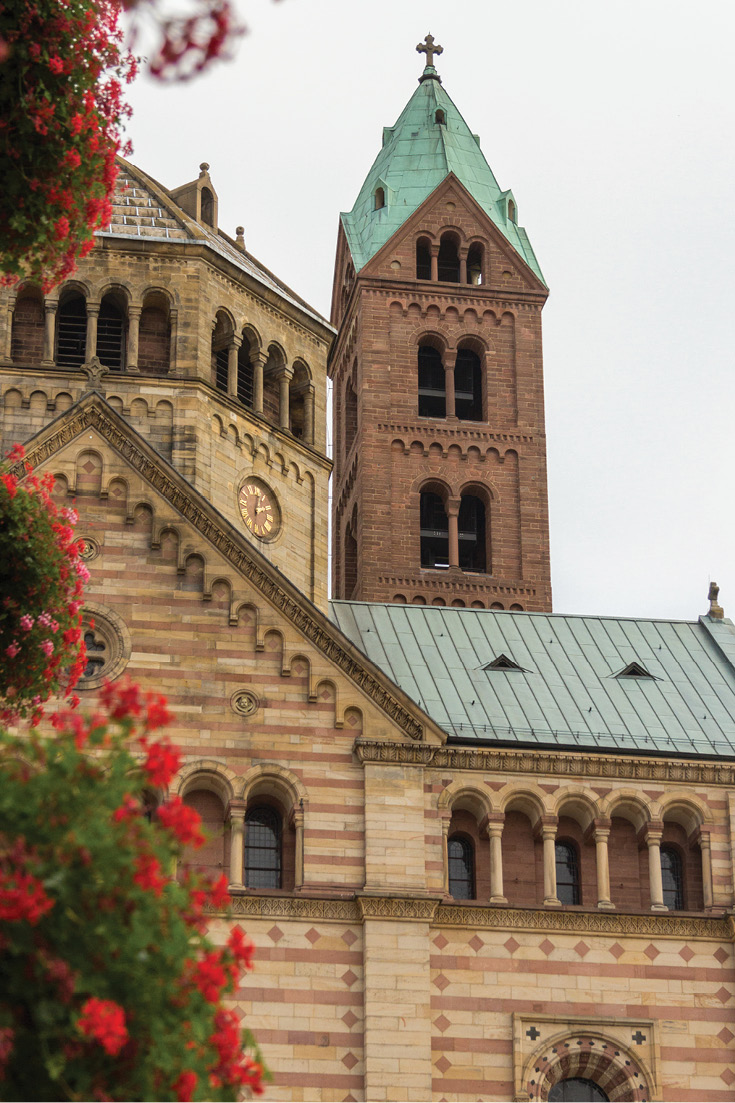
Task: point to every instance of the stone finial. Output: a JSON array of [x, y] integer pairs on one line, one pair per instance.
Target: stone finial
[[239, 239], [94, 369], [716, 612], [204, 169]]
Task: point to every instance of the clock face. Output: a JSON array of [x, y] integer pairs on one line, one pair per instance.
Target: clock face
[[259, 509]]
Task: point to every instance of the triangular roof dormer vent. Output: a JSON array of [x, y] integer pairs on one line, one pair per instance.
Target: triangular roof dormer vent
[[634, 670], [503, 663]]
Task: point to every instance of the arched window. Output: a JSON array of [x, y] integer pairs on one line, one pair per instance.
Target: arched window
[[28, 328], [221, 340], [379, 198], [449, 258], [468, 385], [111, 332], [423, 259], [350, 416], [212, 859], [263, 836], [474, 263], [461, 861], [245, 374], [576, 1090], [471, 523], [440, 117], [207, 207], [434, 532], [511, 210], [350, 557], [672, 875], [567, 873], [300, 403], [432, 383], [71, 331], [154, 342]]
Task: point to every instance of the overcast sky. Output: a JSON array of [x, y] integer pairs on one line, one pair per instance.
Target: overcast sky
[[614, 126]]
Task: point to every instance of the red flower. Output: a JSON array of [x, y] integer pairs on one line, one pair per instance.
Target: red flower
[[22, 898], [157, 714], [162, 762], [128, 810], [241, 948], [148, 874], [209, 976], [219, 894], [184, 1086], [104, 1020], [182, 821]]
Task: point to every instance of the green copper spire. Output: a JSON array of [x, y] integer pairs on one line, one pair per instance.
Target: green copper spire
[[418, 153]]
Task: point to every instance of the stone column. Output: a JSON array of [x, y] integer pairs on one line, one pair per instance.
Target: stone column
[[93, 313], [133, 336], [309, 414], [298, 826], [285, 375], [705, 846], [173, 346], [260, 359], [601, 835], [446, 821], [653, 834], [435, 263], [49, 330], [237, 832], [548, 833], [495, 831], [453, 505], [449, 391], [463, 266], [7, 335], [232, 366]]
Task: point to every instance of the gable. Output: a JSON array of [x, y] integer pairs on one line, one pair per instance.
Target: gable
[[452, 209], [123, 487]]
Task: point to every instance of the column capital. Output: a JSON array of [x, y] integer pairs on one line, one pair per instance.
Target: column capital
[[453, 505], [703, 836], [494, 824], [93, 309], [50, 306], [134, 311], [601, 829], [260, 357], [236, 809], [434, 249], [284, 372], [652, 833]]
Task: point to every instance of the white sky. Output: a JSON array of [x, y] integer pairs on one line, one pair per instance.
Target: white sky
[[614, 126]]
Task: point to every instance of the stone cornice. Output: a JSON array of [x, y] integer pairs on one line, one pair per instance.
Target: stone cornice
[[554, 763], [432, 910], [92, 412]]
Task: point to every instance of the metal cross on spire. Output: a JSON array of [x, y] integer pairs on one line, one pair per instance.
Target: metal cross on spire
[[427, 47]]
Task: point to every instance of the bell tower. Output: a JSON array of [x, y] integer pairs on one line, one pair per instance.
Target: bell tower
[[440, 491]]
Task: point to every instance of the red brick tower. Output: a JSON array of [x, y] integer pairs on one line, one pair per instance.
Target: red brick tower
[[440, 451]]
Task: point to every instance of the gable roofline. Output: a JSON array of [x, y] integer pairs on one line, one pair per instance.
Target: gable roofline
[[213, 239], [93, 412]]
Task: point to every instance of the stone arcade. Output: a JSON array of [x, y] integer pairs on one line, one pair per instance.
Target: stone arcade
[[485, 851]]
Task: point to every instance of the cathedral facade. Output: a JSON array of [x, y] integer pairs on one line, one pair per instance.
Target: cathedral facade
[[484, 850]]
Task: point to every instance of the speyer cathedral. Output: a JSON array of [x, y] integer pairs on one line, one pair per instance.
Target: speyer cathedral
[[485, 851]]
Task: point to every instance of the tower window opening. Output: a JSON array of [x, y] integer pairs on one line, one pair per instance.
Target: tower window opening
[[672, 877], [432, 383], [434, 527], [471, 525], [448, 259], [350, 558], [350, 416], [71, 332], [440, 117], [468, 385], [155, 341], [423, 260], [220, 368], [511, 210], [111, 334], [28, 328], [567, 873], [575, 1089], [461, 861], [474, 264], [207, 207], [244, 375], [263, 848], [379, 198]]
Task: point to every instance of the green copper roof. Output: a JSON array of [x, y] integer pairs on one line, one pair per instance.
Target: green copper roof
[[417, 154], [563, 680]]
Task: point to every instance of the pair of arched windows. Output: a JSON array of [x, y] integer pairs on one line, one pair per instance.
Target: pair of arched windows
[[464, 400], [449, 265], [440, 548]]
